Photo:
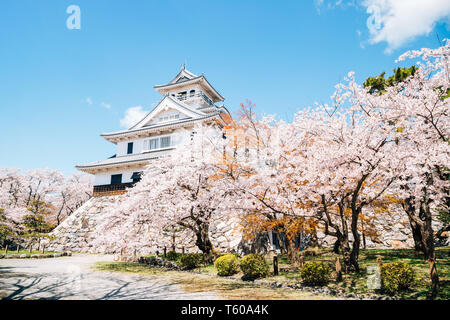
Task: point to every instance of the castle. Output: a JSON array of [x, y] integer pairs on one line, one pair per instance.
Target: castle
[[188, 99]]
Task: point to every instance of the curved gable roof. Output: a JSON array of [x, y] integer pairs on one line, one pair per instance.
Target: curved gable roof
[[184, 73], [174, 103]]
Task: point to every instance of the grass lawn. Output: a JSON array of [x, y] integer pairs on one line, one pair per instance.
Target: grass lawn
[[226, 288], [356, 282], [205, 278]]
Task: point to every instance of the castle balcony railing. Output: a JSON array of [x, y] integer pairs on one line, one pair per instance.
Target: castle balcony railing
[[200, 94], [111, 189]]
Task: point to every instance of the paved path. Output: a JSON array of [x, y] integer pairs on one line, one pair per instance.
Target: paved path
[[73, 278]]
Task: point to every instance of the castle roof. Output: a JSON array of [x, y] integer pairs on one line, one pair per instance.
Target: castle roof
[[186, 78]]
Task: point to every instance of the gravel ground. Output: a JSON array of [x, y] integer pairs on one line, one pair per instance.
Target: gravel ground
[[72, 278]]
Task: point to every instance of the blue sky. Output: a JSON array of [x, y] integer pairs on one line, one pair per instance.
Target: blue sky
[[61, 88]]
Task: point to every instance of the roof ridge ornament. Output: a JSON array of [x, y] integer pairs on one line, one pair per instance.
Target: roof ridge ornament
[[183, 66]]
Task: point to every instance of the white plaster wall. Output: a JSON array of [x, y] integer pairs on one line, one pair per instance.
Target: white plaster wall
[[122, 148], [138, 144], [105, 178]]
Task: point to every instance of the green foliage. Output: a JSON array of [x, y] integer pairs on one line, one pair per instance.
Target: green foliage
[[444, 216], [397, 277], [5, 231], [172, 255], [227, 265], [191, 260], [378, 85], [35, 223], [315, 273], [254, 266]]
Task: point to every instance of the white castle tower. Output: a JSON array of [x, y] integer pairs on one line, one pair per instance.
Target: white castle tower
[[187, 99]]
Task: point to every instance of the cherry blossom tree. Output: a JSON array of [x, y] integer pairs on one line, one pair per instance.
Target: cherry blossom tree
[[180, 191], [414, 120], [324, 168], [254, 166], [39, 197], [70, 195]]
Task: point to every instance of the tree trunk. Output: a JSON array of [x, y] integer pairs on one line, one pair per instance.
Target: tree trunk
[[173, 241], [434, 278], [345, 248], [202, 239], [314, 239], [345, 244], [417, 236], [354, 256], [336, 246], [292, 251], [363, 234], [421, 221]]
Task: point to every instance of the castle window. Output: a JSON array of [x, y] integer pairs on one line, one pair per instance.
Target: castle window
[[191, 93], [157, 143], [130, 148], [116, 179], [165, 142], [152, 144]]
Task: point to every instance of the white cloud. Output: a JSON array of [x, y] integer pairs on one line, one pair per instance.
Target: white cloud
[[105, 105], [132, 116], [318, 4], [398, 21], [332, 4], [89, 101]]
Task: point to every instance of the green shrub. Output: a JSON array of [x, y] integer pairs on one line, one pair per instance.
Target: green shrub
[[397, 276], [191, 260], [315, 273], [254, 266], [151, 260], [227, 265], [172, 255]]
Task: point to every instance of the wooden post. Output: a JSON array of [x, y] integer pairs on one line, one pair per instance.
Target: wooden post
[[301, 261], [165, 252], [338, 270], [43, 248], [379, 262], [31, 246], [275, 265], [182, 251], [6, 250]]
